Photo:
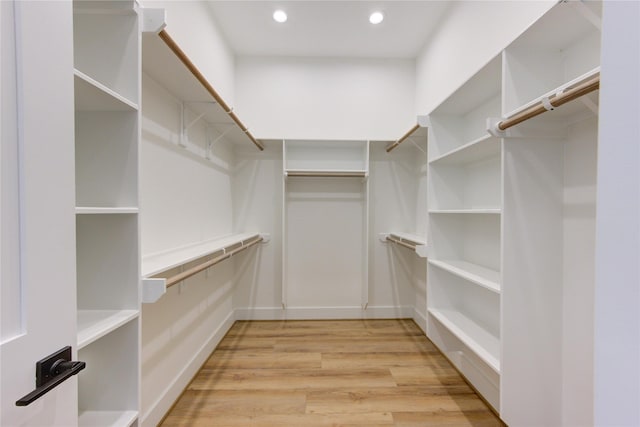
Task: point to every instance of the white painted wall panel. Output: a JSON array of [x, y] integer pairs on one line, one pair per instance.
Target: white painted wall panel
[[320, 98], [185, 199], [324, 249], [396, 274], [257, 206], [580, 157]]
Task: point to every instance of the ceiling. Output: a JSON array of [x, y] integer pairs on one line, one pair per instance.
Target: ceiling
[[328, 28]]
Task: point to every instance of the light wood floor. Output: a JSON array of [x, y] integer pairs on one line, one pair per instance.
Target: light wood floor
[[328, 373]]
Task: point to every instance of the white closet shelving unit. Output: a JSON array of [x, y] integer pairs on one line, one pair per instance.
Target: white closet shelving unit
[[549, 221], [465, 204], [417, 136], [512, 223], [164, 62], [107, 93], [325, 201]]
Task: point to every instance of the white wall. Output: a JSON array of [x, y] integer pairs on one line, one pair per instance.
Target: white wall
[[191, 24], [184, 199], [470, 35], [397, 276], [324, 98], [257, 206], [617, 287], [578, 271]]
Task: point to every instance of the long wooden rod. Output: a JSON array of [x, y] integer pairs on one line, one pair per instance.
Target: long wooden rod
[[312, 174], [401, 243], [203, 81], [198, 268], [535, 110], [403, 138]]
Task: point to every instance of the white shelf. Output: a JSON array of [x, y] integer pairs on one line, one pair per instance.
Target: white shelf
[[162, 65], [491, 211], [485, 277], [92, 210], [90, 95], [474, 336], [153, 264], [482, 148], [325, 173], [413, 238], [104, 7], [417, 243], [107, 418], [94, 324], [326, 156]]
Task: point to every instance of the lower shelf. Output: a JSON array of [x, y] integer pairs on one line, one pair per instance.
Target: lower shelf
[[94, 324], [107, 418], [474, 336]]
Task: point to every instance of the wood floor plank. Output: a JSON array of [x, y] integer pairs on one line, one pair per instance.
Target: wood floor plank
[[446, 418], [263, 359], [399, 400], [383, 360], [209, 403], [289, 379], [328, 373], [353, 345], [374, 419]]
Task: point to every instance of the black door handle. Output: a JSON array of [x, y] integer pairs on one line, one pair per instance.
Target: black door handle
[[52, 371]]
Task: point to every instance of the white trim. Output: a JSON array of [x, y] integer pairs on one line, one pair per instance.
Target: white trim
[[324, 313], [421, 319]]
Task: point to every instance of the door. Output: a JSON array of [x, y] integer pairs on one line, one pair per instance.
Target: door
[[37, 255]]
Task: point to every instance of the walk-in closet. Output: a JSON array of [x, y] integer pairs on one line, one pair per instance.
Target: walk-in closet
[[320, 213]]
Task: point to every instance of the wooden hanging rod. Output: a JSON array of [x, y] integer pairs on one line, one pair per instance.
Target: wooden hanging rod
[[555, 101], [327, 174], [402, 138], [401, 242], [171, 44], [200, 267]]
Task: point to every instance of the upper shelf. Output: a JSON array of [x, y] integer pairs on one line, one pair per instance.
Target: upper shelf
[[91, 95], [157, 263], [326, 158], [165, 62], [409, 241], [204, 255]]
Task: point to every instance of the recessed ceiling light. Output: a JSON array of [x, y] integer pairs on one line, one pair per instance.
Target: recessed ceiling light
[[376, 17], [280, 16]]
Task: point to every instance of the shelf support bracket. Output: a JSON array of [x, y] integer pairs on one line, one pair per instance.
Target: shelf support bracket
[[185, 125], [592, 106], [212, 142], [415, 144]]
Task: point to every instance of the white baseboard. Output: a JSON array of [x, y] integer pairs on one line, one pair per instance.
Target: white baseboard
[[420, 319], [308, 313], [161, 406]]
